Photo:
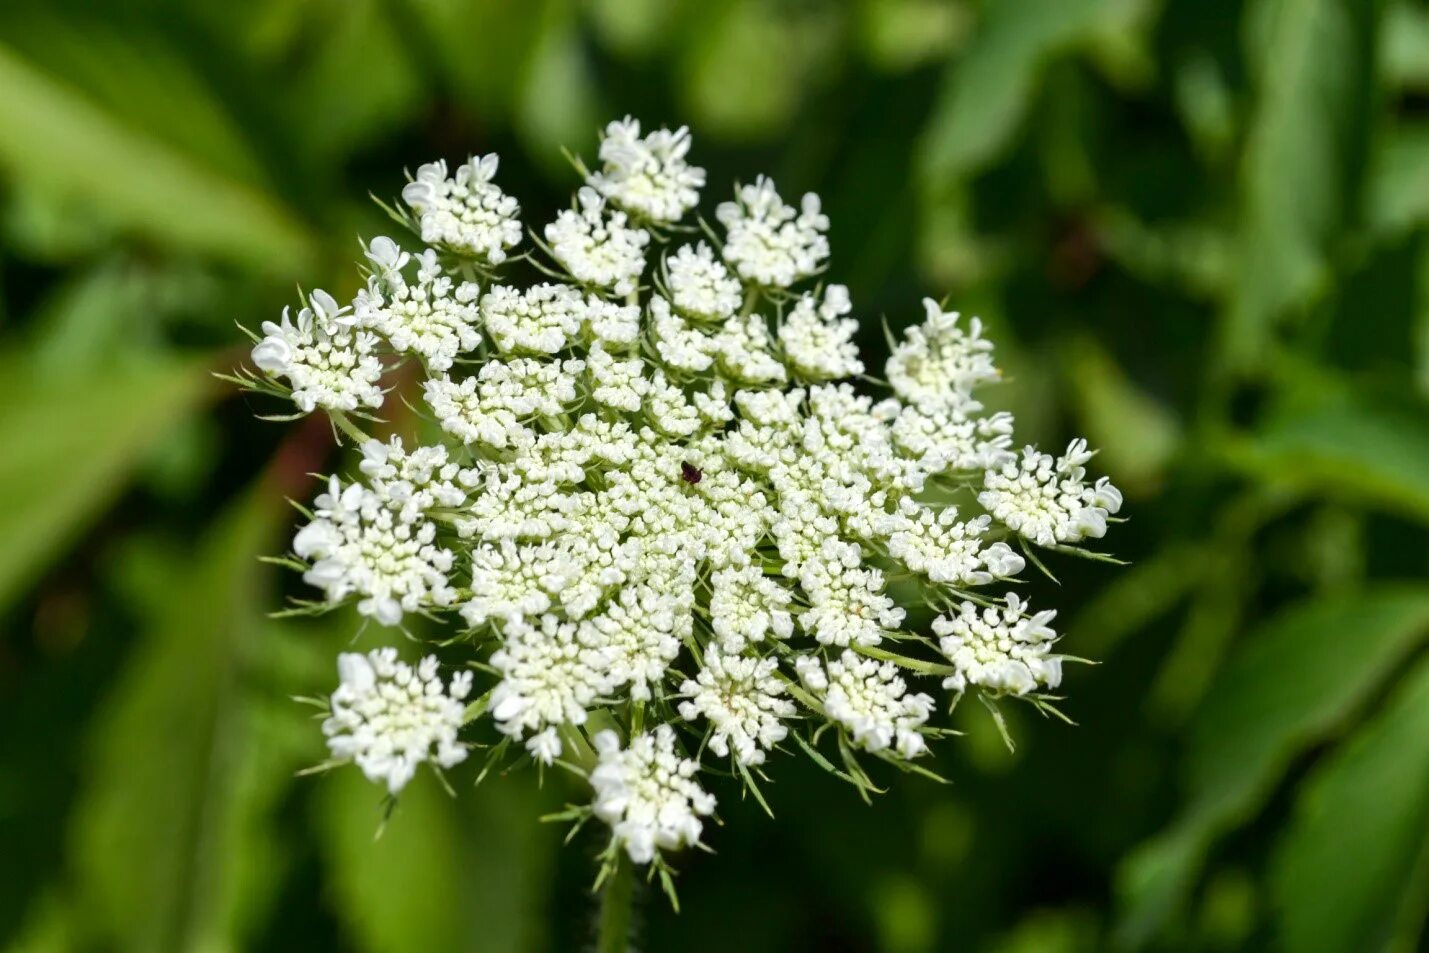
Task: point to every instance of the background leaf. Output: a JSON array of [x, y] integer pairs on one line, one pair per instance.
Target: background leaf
[[1355, 450], [71, 446], [53, 138], [464, 886], [1361, 811], [987, 92], [1313, 59], [1291, 685], [171, 848]]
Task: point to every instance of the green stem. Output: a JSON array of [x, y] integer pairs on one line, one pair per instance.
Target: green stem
[[353, 432], [617, 900]]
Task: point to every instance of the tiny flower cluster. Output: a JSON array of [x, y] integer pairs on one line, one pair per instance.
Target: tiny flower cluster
[[660, 519]]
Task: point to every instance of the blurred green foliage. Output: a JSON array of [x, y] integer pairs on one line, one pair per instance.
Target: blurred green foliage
[[1199, 230]]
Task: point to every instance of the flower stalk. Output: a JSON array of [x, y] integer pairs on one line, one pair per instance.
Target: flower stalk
[[617, 909]]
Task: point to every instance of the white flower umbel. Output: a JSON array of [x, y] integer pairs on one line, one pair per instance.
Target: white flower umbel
[[1003, 650], [510, 580], [492, 407], [870, 700], [542, 319], [947, 549], [328, 363], [770, 244], [468, 214], [648, 177], [817, 337], [955, 438], [388, 717], [745, 702], [1048, 500], [671, 509], [648, 794], [431, 317], [700, 286], [550, 676], [359, 544], [748, 606], [846, 601], [596, 246], [938, 363], [415, 482]]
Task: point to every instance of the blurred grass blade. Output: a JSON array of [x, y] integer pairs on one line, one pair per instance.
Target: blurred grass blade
[[1136, 433], [1404, 46], [1313, 84], [1364, 812], [333, 122], [989, 88], [1399, 182], [1139, 595], [1347, 449], [1292, 684], [54, 138], [169, 842], [466, 874], [556, 104], [146, 79], [70, 445]]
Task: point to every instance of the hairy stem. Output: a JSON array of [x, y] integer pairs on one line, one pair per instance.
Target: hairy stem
[[617, 902]]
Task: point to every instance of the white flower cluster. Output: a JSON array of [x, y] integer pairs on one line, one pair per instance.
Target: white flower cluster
[[328, 363], [466, 214], [431, 318], [1048, 500], [870, 699], [379, 549], [745, 702], [388, 717], [662, 509], [817, 337], [701, 287], [770, 243], [1005, 649], [648, 177], [596, 247], [648, 794]]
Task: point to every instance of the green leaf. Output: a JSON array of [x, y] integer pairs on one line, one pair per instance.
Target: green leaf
[[1399, 181], [1404, 46], [54, 138], [1365, 810], [1314, 70], [469, 873], [899, 35], [170, 841], [988, 89], [1136, 434], [145, 78], [487, 84], [1293, 683], [333, 122], [556, 105], [1136, 596], [1348, 448], [1191, 256], [750, 63], [71, 445], [51, 926], [632, 29]]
